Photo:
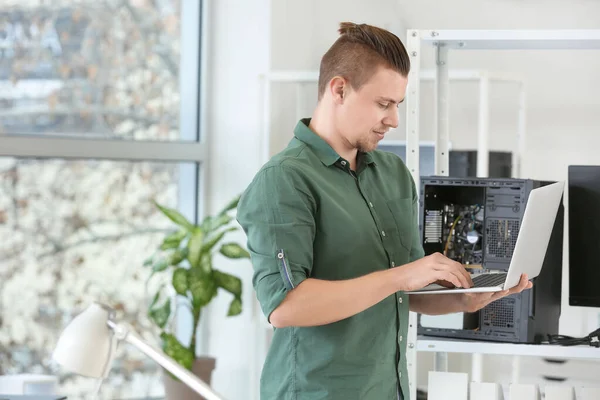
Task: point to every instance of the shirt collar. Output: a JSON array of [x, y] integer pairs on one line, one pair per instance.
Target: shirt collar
[[322, 149], [367, 158]]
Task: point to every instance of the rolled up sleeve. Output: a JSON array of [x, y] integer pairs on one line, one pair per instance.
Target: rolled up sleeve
[[277, 214]]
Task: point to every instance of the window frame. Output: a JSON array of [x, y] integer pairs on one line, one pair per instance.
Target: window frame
[[192, 120]]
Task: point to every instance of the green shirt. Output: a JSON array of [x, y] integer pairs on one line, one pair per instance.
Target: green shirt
[[307, 214]]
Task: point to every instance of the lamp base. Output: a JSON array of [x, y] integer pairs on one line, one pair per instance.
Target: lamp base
[[203, 368]]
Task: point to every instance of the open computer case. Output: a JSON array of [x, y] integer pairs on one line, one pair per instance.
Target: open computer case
[[476, 221]]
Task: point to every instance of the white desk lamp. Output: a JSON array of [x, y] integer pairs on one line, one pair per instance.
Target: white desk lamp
[[87, 347]]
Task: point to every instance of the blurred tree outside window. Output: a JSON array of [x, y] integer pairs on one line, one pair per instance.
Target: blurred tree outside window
[[75, 230]]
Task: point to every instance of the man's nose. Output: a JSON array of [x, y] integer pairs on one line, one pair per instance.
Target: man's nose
[[392, 118]]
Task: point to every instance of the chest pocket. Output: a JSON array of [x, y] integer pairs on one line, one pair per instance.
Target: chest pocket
[[401, 220]]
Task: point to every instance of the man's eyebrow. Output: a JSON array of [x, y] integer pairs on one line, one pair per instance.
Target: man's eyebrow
[[391, 100]]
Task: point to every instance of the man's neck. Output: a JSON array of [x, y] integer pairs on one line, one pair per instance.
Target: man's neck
[[325, 128]]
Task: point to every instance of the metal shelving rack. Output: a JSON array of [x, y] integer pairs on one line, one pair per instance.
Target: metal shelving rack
[[484, 78], [441, 42]]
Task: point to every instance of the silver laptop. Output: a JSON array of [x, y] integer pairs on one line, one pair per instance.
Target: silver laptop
[[530, 248]]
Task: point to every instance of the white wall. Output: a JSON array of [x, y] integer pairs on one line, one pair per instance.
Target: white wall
[[303, 30], [238, 52]]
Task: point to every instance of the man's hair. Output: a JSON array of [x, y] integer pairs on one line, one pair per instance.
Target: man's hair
[[357, 54]]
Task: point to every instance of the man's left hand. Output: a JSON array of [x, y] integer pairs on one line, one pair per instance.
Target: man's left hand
[[476, 301]]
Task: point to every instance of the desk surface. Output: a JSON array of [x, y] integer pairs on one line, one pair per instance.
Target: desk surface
[[541, 350]]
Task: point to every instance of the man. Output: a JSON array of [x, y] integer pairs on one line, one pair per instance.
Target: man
[[332, 230]]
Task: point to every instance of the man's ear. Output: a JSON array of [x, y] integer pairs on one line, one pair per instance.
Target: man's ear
[[338, 86]]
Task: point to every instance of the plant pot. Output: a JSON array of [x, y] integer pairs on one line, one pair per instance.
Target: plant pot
[[203, 368]]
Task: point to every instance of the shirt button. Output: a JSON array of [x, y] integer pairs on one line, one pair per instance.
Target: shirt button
[[400, 338], [343, 163], [393, 264], [400, 300], [400, 374], [382, 233], [370, 204]]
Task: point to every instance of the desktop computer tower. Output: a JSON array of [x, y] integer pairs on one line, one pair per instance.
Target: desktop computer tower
[[476, 222]]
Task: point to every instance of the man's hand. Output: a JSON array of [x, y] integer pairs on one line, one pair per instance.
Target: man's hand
[[476, 301], [431, 269]]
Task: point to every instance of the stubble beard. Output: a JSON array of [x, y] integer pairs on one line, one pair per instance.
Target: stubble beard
[[365, 145]]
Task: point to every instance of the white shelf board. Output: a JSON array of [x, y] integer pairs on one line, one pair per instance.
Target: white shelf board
[[429, 344], [514, 39], [310, 76]]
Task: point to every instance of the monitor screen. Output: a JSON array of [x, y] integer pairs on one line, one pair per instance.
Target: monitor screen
[[584, 235]]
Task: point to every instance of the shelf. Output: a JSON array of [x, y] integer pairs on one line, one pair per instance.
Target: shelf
[[428, 344], [514, 39]]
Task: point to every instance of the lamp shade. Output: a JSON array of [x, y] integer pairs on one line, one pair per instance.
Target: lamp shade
[[86, 346]]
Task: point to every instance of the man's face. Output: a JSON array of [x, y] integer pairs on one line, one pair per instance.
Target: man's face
[[367, 114]]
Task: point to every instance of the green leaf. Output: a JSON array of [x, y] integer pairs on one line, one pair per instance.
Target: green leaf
[[180, 282], [178, 256], [235, 308], [160, 315], [234, 250], [176, 217], [206, 263], [232, 204], [214, 223], [160, 265], [202, 286], [150, 277], [228, 282], [148, 261], [195, 248], [175, 350], [174, 240], [213, 241], [206, 223], [169, 245], [155, 299]]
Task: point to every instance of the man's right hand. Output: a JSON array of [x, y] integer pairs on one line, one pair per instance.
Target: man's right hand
[[435, 268]]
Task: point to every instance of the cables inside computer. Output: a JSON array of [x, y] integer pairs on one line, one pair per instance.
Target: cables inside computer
[[593, 339], [462, 234]]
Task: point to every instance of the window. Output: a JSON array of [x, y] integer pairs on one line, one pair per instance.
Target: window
[[95, 123], [75, 232], [92, 69]]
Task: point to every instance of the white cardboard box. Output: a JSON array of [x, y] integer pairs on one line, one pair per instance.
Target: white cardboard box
[[521, 391], [485, 391], [447, 386], [588, 393], [559, 393]]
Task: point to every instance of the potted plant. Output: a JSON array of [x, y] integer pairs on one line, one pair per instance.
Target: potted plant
[[185, 261]]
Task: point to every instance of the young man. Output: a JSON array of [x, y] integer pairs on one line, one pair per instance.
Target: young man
[[332, 230]]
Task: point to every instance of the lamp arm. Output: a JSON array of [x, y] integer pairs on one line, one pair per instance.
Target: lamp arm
[[191, 380]]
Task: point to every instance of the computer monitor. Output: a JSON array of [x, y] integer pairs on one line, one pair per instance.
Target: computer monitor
[[584, 235]]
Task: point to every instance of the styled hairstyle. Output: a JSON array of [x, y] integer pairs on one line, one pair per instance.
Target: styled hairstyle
[[359, 52]]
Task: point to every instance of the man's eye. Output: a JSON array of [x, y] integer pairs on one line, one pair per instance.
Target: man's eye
[[384, 105]]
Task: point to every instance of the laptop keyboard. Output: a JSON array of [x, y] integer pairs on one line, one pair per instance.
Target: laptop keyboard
[[489, 280]]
